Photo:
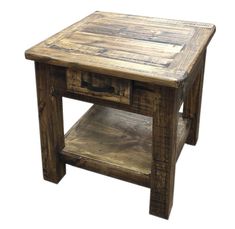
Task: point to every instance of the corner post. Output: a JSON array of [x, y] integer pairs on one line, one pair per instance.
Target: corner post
[[192, 103], [165, 120], [50, 123]]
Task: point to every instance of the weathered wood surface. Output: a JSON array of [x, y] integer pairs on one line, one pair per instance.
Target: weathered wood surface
[[192, 103], [99, 86], [139, 64], [164, 154], [141, 94], [141, 99], [115, 143], [139, 48], [51, 122]]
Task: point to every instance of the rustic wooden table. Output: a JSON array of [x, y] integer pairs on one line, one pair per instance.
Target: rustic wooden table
[[138, 71]]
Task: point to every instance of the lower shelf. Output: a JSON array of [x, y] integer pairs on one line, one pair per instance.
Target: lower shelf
[[115, 143]]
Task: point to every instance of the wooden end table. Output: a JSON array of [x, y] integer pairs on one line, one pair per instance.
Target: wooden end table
[[138, 71]]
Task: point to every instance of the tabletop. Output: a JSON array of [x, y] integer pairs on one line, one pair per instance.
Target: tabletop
[[146, 49]]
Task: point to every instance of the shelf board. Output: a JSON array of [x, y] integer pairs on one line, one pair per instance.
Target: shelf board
[[115, 143]]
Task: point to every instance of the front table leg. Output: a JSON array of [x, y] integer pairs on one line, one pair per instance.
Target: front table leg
[[165, 119], [51, 123]]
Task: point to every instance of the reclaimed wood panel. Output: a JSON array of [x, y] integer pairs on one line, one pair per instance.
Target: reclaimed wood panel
[[51, 122], [154, 50], [115, 143], [141, 99], [164, 155], [141, 94], [124, 44], [99, 86], [113, 53], [128, 30], [192, 103]]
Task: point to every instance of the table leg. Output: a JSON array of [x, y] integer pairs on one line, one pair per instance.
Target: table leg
[[165, 119], [51, 123], [192, 103]]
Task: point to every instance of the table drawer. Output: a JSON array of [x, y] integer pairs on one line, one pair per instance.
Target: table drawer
[[99, 86]]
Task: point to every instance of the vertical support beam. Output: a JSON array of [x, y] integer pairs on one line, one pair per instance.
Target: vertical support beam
[[192, 103], [51, 122], [165, 119]]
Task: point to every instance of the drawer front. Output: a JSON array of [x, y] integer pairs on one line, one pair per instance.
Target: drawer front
[[99, 86]]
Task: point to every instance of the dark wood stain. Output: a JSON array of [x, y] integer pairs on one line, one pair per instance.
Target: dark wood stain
[[117, 139], [161, 51], [51, 123], [138, 71]]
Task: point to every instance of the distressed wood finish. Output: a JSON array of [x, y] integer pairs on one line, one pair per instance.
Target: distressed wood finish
[[164, 154], [115, 143], [192, 103], [51, 122], [99, 86], [146, 49], [142, 95], [144, 65]]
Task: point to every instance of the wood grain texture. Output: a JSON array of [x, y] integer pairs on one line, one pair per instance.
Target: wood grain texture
[[192, 103], [145, 49], [115, 143], [51, 123], [164, 153], [145, 65], [141, 94], [99, 86]]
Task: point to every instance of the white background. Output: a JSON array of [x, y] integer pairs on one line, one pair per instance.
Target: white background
[[204, 186]]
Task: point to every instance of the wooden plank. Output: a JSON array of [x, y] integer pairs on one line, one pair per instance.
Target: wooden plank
[[121, 141], [164, 153], [192, 103], [141, 95], [126, 30], [51, 123], [188, 58], [101, 51], [90, 45], [105, 168], [183, 129], [142, 99], [118, 68], [99, 86], [137, 19], [126, 44], [115, 143], [156, 27]]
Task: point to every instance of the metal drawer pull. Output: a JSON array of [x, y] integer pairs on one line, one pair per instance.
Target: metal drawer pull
[[90, 87]]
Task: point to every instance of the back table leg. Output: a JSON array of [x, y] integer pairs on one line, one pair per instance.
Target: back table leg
[[51, 123], [165, 119], [192, 103]]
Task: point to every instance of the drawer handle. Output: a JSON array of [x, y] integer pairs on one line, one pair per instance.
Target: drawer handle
[[89, 86]]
